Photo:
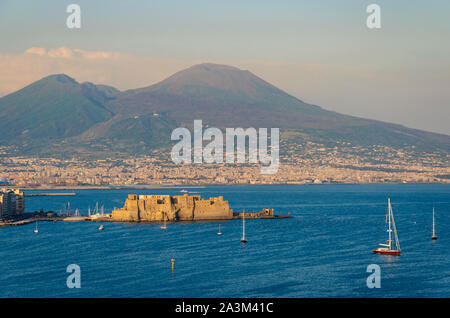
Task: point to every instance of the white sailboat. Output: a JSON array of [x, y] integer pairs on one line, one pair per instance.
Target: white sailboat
[[219, 233], [243, 240], [96, 214], [433, 236], [36, 229], [389, 248]]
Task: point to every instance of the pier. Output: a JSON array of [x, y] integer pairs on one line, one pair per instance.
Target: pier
[[49, 194]]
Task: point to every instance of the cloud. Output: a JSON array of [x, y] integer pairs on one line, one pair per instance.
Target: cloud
[[126, 71], [121, 70], [67, 53], [36, 50]]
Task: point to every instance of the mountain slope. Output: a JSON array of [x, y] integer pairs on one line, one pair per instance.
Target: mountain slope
[[51, 108], [225, 96], [57, 115]]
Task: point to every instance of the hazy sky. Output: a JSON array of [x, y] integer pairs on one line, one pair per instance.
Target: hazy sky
[[319, 51]]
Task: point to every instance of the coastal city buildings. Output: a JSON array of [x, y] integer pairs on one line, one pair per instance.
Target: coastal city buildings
[[12, 203], [310, 164]]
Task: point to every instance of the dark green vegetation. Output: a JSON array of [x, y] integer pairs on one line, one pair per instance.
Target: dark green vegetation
[[60, 117]]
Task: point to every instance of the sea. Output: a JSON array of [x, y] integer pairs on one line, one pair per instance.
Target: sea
[[323, 250]]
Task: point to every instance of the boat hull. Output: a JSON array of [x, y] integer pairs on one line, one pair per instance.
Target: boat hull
[[387, 252]]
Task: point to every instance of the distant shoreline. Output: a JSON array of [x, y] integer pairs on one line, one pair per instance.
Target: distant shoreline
[[143, 187], [108, 187]]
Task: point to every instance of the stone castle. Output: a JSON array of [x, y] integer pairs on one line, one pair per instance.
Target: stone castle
[[172, 208]]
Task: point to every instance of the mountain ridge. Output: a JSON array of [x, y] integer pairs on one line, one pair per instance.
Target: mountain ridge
[[57, 111]]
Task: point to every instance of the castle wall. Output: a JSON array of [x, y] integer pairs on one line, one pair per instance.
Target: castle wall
[[130, 211], [212, 209], [185, 206], [176, 208], [156, 208]]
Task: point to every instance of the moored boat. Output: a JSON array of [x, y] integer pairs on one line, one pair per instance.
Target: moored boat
[[389, 248], [243, 240], [433, 236]]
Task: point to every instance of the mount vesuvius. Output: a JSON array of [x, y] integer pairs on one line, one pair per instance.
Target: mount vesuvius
[[60, 117]]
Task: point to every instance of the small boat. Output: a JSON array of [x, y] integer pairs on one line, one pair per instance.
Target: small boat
[[101, 227], [185, 191], [97, 214], [388, 249], [36, 229], [243, 240], [219, 233], [433, 236]]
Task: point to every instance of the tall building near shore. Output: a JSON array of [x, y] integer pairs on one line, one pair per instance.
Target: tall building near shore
[[12, 203]]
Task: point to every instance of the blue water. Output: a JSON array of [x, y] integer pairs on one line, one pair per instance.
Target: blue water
[[323, 251]]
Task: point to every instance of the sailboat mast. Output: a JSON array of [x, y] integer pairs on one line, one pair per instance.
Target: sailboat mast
[[433, 224], [397, 243], [243, 226], [389, 227], [433, 237]]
